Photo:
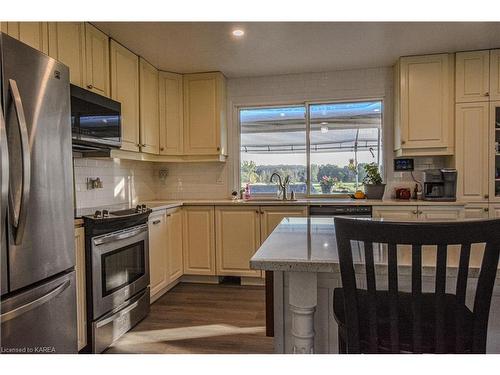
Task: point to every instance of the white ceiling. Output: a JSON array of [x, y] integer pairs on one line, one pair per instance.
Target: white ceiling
[[270, 48]]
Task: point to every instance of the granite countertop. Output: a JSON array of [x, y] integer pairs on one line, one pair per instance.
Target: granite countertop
[[165, 204], [309, 245]]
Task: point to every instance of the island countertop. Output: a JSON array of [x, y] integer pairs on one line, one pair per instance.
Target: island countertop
[[301, 244]]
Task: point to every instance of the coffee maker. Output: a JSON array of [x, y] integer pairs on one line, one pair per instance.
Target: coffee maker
[[440, 185]]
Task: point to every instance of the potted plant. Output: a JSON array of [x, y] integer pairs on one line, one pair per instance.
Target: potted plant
[[326, 184], [374, 188]]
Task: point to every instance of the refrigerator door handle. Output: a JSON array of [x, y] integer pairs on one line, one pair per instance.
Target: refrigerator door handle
[[34, 304], [4, 165], [19, 218]]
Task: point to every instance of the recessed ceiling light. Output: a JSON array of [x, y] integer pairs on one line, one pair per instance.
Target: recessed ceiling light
[[238, 33], [282, 114]]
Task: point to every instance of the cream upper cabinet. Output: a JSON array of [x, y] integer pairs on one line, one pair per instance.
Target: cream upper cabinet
[[271, 216], [158, 271], [149, 112], [67, 45], [396, 213], [125, 89], [472, 76], [81, 304], [97, 60], [171, 113], [495, 74], [472, 151], [199, 240], [34, 34], [237, 239], [424, 99], [476, 211], [174, 247], [205, 114]]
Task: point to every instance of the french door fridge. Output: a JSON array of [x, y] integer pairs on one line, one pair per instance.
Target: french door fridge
[[37, 302]]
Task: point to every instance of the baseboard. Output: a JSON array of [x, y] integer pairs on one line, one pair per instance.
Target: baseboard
[[202, 279], [164, 290], [253, 281]]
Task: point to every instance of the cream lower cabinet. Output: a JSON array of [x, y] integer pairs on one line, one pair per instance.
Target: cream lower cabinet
[[149, 112], [125, 89], [199, 240], [81, 304], [67, 45], [174, 244], [472, 151], [34, 34], [424, 99], [271, 216], [237, 239], [494, 211], [477, 211], [418, 213], [158, 256]]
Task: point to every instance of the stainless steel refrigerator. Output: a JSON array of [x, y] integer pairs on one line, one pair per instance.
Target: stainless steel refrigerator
[[38, 302]]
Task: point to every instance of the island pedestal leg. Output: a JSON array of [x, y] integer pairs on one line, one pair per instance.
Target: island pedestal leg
[[303, 300]]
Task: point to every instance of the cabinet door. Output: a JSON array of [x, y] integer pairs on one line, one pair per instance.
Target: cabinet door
[[494, 210], [34, 34], [174, 232], [440, 213], [204, 114], [237, 239], [97, 60], [472, 77], [158, 252], [426, 103], [150, 130], [271, 216], [81, 305], [472, 151], [67, 45], [171, 114], [198, 240], [495, 74], [395, 213], [125, 89], [476, 211]]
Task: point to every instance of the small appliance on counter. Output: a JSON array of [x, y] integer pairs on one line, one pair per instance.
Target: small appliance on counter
[[403, 193], [117, 269], [440, 185]]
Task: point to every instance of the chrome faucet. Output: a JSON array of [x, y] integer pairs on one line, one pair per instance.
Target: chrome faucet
[[282, 184]]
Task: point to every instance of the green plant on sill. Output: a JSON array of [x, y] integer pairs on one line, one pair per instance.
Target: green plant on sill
[[372, 174]]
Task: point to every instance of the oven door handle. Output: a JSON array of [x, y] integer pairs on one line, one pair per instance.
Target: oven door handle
[[122, 235]]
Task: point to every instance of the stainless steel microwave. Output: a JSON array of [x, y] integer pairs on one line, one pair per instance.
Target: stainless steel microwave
[[95, 121]]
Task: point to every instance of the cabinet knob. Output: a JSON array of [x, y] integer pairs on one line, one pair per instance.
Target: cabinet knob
[[486, 94], [218, 148], [486, 196], [156, 222], [415, 212], [403, 142], [90, 87], [486, 209], [162, 148]]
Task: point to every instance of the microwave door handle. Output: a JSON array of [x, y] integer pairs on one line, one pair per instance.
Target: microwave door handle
[[19, 218], [4, 165]]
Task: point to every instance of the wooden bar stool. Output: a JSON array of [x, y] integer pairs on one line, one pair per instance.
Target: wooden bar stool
[[390, 321]]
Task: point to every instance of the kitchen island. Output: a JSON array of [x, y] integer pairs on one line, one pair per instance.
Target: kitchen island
[[302, 253]]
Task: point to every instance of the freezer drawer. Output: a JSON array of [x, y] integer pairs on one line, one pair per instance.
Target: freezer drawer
[[41, 319]]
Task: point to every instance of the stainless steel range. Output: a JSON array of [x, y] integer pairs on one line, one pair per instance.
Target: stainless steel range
[[117, 267]]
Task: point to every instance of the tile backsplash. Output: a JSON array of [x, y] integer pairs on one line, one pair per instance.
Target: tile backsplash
[[124, 181]]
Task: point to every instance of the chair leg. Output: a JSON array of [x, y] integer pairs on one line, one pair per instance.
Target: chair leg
[[342, 345]]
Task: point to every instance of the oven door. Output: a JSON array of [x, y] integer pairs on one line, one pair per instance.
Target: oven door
[[120, 267]]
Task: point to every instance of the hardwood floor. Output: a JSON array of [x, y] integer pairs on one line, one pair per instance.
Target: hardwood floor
[[201, 318]]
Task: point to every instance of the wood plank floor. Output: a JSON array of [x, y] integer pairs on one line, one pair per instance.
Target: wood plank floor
[[201, 318]]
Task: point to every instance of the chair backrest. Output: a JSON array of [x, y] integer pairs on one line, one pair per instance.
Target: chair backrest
[[439, 234]]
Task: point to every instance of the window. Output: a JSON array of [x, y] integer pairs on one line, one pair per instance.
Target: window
[[343, 137]]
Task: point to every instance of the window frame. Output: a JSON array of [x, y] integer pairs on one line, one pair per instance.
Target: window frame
[[307, 106]]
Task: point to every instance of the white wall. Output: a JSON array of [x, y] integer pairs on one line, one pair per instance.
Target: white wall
[[217, 180]]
